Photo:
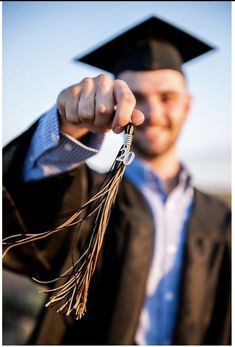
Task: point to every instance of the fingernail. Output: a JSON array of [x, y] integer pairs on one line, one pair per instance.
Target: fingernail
[[118, 129]]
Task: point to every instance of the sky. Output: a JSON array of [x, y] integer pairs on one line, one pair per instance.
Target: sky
[[40, 40]]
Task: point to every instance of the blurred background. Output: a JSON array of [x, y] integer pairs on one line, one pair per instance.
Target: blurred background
[[40, 40]]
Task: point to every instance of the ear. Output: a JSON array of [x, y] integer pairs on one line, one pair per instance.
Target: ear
[[188, 105]]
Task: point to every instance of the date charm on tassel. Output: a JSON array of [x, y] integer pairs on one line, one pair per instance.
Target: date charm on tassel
[[126, 156]]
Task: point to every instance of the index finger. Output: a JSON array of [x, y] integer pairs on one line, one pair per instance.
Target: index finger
[[125, 105]]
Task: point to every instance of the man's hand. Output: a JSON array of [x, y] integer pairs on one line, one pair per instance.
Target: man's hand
[[97, 105]]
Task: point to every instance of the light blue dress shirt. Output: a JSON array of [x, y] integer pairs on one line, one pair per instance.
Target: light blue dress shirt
[[52, 152], [170, 214]]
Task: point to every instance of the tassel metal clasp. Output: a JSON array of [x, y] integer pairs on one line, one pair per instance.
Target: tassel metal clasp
[[125, 155]]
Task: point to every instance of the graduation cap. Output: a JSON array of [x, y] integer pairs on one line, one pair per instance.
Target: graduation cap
[[151, 45]]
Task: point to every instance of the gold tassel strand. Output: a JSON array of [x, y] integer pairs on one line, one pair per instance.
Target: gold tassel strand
[[74, 292]]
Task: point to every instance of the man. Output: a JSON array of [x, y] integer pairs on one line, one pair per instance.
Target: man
[[163, 272]]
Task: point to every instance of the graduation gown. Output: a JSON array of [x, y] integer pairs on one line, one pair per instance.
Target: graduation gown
[[117, 291]]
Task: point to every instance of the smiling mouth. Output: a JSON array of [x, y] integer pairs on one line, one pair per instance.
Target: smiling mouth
[[153, 133], [151, 129]]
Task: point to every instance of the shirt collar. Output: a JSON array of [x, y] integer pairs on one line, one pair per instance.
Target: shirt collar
[[141, 174]]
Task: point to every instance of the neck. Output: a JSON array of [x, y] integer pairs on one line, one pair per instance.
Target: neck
[[167, 167]]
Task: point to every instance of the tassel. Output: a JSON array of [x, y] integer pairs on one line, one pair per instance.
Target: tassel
[[72, 295]]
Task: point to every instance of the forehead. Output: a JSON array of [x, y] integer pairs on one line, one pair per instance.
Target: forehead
[[154, 81]]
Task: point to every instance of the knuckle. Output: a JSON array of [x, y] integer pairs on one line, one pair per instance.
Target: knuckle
[[75, 90], [102, 78], [87, 82], [103, 109]]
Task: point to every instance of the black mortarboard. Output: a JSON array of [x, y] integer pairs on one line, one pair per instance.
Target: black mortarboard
[[150, 45]]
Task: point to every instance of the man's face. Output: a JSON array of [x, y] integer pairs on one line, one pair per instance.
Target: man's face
[[162, 96]]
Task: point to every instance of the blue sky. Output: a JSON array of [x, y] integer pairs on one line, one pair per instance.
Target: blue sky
[[40, 39]]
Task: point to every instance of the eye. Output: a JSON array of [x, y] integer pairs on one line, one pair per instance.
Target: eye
[[168, 97]]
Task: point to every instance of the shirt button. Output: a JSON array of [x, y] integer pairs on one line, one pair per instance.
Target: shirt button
[[169, 296], [171, 249], [68, 147], [171, 205]]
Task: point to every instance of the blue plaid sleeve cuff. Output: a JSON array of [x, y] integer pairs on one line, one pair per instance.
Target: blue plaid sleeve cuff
[[52, 152]]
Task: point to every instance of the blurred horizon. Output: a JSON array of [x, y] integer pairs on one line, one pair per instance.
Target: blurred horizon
[[40, 40]]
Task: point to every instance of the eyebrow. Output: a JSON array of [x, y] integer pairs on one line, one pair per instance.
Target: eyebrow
[[169, 91]]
